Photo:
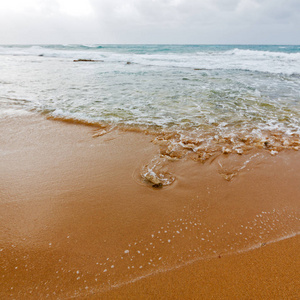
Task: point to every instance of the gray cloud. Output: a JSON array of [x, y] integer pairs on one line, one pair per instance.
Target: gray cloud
[[158, 21]]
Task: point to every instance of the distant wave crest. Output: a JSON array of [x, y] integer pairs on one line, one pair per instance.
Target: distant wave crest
[[255, 59], [260, 53]]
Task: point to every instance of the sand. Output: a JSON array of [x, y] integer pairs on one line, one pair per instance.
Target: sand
[[270, 272], [77, 220]]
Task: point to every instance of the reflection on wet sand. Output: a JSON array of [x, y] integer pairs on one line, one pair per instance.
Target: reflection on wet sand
[[78, 217]]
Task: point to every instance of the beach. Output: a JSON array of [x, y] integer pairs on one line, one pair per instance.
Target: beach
[[266, 273], [149, 150], [79, 220], [149, 171]]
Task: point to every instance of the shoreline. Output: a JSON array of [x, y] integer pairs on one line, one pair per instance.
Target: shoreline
[[258, 274], [78, 218]]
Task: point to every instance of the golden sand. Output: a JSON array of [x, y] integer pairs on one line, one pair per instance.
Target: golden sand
[[270, 272], [77, 219]]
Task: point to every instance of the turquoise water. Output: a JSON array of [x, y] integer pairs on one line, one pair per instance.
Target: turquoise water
[[202, 88]]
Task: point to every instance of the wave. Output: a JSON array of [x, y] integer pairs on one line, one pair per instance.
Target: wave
[[91, 46], [60, 51], [200, 146], [260, 53], [229, 59], [74, 46]]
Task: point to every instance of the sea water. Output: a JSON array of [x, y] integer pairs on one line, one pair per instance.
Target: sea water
[[226, 95]]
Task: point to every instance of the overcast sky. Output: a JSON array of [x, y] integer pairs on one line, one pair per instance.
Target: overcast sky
[[150, 21]]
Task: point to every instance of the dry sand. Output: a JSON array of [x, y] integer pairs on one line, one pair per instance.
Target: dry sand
[[76, 220]]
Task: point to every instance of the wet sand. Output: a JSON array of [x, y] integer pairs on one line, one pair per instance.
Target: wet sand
[[77, 220], [270, 272]]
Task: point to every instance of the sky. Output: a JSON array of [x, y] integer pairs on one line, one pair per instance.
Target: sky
[[150, 21]]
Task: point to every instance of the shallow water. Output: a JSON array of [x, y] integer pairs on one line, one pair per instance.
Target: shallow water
[[232, 88], [198, 100]]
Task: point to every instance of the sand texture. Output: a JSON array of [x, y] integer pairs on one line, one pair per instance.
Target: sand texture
[[78, 220]]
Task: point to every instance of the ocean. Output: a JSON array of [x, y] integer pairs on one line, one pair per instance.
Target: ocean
[[177, 188], [224, 97]]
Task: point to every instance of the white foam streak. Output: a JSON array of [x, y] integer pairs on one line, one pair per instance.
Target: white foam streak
[[242, 59], [10, 112], [263, 54]]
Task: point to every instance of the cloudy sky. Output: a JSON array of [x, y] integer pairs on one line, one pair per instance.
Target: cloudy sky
[[150, 21]]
